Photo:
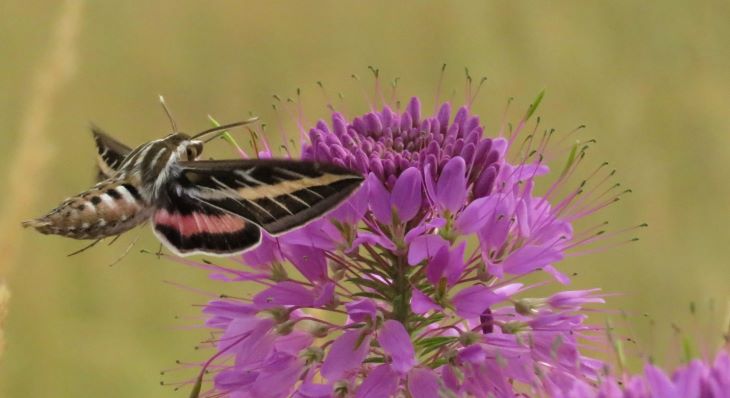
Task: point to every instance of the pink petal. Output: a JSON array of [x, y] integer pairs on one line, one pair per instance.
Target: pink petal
[[420, 303], [395, 340], [407, 194], [423, 383], [293, 343], [325, 294], [309, 261], [529, 258], [437, 265], [456, 264], [559, 276], [473, 300], [344, 356], [320, 234], [352, 210], [475, 215], [284, 293], [424, 247], [266, 253], [382, 382], [372, 238], [659, 384], [421, 228], [361, 309], [451, 185], [379, 200], [314, 390]]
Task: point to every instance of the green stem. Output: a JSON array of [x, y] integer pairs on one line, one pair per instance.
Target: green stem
[[402, 290]]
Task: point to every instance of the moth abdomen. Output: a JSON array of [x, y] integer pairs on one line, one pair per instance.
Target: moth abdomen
[[106, 210]]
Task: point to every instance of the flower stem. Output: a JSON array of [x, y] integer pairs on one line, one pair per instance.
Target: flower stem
[[402, 289]]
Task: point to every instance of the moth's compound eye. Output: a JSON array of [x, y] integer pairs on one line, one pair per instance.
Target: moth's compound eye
[[194, 150]]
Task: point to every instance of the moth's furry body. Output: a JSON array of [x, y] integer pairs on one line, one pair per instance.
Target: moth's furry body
[[209, 207], [124, 199], [108, 209]]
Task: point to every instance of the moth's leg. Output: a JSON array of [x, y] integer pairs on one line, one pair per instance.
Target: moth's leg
[[83, 249], [126, 251], [114, 240], [159, 252]]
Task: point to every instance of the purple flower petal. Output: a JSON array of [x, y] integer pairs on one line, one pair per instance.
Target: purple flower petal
[[473, 354], [224, 311], [473, 300], [476, 214], [423, 383], [424, 247], [344, 355], [284, 293], [379, 200], [659, 384], [407, 194], [444, 114], [690, 384], [382, 382], [278, 377], [450, 378], [437, 265], [293, 343], [371, 238], [231, 379], [253, 346], [395, 340], [559, 276], [414, 109], [361, 310], [266, 253], [523, 219], [529, 258], [309, 261], [314, 390], [325, 294], [451, 185], [420, 303], [420, 229], [352, 210], [319, 234], [574, 299], [501, 145], [485, 182], [456, 264]]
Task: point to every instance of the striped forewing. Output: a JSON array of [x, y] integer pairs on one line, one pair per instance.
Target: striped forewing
[[276, 194]]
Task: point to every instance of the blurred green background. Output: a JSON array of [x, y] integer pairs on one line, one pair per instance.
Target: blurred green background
[[650, 79]]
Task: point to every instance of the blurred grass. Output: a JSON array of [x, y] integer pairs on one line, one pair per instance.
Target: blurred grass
[[651, 80]]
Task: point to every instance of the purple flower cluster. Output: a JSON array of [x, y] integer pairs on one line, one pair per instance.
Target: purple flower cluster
[[697, 379], [415, 286]]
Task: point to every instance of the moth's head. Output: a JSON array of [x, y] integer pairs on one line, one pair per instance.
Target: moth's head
[[187, 148], [183, 146]]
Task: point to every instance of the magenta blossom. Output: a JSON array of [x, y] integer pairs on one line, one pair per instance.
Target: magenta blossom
[[696, 379], [413, 287]]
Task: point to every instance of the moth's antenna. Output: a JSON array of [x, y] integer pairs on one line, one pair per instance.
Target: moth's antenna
[[169, 115], [220, 129]]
